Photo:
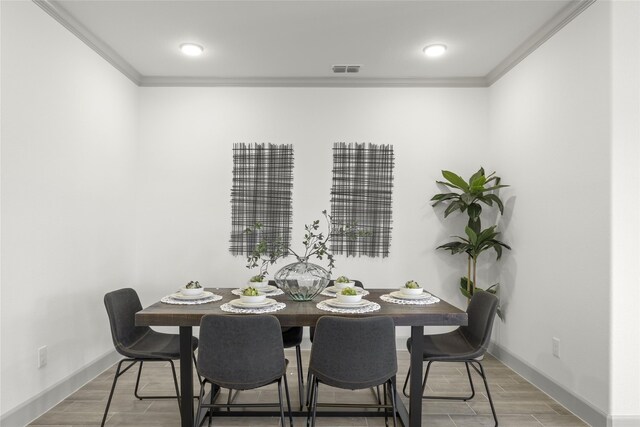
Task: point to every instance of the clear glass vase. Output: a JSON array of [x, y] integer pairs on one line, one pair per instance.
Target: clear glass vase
[[302, 280]]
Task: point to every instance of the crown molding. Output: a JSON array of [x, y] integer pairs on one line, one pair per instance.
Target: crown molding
[[58, 13], [555, 24], [354, 81]]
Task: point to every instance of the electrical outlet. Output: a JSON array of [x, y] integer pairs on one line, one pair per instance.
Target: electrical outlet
[[556, 347], [42, 356]]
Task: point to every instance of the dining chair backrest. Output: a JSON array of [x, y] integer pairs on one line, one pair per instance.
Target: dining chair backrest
[[354, 353], [481, 312], [122, 306], [312, 329], [240, 352]]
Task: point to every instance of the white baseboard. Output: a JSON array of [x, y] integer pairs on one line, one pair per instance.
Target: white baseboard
[[582, 409], [33, 408], [623, 421]]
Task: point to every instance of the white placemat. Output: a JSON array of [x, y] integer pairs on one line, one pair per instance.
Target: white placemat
[[170, 300], [270, 309], [277, 292], [374, 306], [430, 300]]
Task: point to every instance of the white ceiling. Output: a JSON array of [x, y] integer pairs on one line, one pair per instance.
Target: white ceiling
[[297, 42]]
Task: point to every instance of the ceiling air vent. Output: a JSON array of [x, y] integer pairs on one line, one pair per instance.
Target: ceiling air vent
[[346, 68]]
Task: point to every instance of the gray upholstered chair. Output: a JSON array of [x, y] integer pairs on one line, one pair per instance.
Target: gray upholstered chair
[[312, 331], [138, 344], [466, 344], [353, 353], [291, 337], [241, 353]]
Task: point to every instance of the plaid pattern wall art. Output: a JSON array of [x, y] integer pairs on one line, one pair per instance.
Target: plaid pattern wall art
[[261, 192], [361, 194]]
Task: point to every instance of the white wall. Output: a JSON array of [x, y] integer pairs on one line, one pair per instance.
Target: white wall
[[71, 123], [625, 208], [185, 171], [69, 127], [550, 135]]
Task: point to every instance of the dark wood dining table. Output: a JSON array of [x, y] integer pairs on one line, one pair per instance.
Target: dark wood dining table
[[306, 313]]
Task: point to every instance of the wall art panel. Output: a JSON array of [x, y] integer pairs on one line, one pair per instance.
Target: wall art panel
[[361, 194], [261, 193]]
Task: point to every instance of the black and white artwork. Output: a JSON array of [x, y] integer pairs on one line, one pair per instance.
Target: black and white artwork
[[261, 193], [361, 194]]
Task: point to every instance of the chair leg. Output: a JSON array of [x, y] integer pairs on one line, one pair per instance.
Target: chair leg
[[113, 388], [175, 383], [486, 386], [384, 399], [392, 384], [309, 380], [200, 399], [424, 385], [286, 391], [424, 382], [281, 403], [195, 363], [473, 390], [300, 374], [406, 381], [426, 375], [314, 402], [211, 399], [135, 390], [229, 400]]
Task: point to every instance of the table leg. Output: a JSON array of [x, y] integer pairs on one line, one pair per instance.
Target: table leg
[[415, 401], [186, 376]]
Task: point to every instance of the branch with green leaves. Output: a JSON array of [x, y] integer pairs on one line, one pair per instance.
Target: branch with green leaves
[[471, 194], [316, 244], [474, 245]]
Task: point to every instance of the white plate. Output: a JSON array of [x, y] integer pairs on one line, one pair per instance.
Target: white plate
[[267, 289], [241, 304], [400, 295], [203, 295], [333, 290], [338, 304]]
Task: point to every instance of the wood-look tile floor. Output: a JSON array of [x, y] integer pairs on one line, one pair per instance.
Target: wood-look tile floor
[[518, 403]]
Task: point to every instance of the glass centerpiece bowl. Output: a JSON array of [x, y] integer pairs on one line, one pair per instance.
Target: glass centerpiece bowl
[[302, 280]]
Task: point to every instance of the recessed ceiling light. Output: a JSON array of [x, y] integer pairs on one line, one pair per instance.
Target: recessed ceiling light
[[191, 49], [434, 50]]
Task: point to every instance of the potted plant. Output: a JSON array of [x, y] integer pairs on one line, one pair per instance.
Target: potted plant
[[469, 196], [301, 280]]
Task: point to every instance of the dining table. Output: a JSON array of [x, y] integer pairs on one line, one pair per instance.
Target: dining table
[[306, 313]]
